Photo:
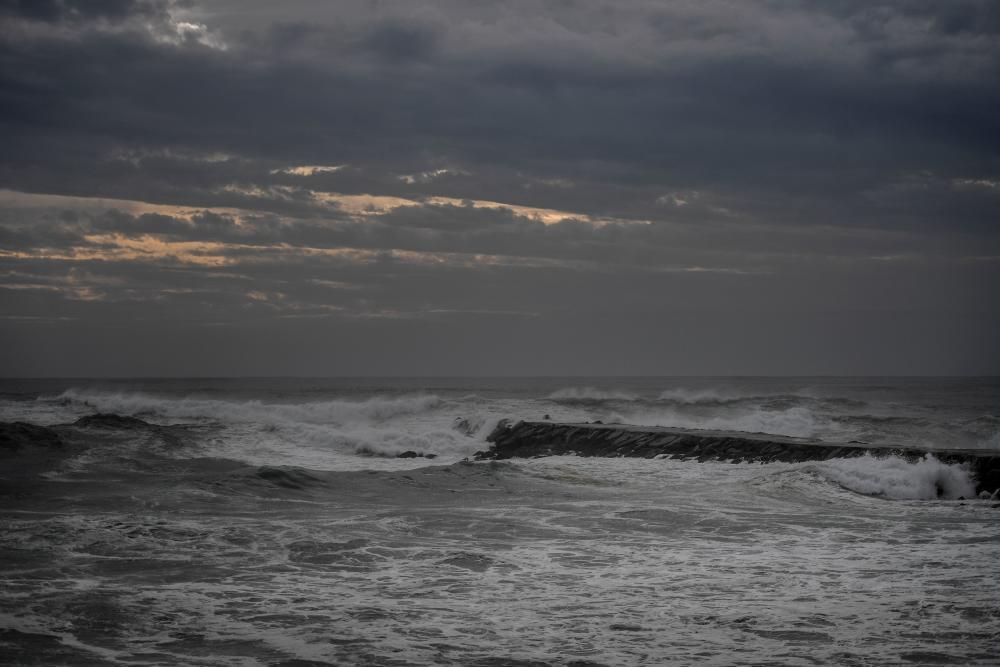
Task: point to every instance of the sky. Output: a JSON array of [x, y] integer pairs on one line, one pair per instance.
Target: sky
[[475, 187]]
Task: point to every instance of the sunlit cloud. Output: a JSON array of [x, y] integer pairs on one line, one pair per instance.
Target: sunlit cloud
[[309, 169], [983, 183], [428, 176], [26, 200]]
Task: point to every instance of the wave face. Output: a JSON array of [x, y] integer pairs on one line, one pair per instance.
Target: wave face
[[331, 432]]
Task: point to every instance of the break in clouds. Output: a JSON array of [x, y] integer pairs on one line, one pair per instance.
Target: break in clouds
[[222, 187]]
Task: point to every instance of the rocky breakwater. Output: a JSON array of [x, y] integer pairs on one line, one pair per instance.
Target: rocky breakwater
[[533, 439]]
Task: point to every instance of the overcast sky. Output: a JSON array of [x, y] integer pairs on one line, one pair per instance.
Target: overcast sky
[[378, 187]]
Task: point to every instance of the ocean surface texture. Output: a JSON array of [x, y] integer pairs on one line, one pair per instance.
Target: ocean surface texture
[[272, 522]]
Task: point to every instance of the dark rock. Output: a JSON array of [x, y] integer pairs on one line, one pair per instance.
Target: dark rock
[[111, 421], [410, 454], [14, 435]]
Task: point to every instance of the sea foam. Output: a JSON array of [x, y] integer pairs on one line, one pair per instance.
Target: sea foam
[[899, 479]]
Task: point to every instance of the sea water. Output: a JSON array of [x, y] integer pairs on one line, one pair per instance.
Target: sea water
[[270, 522]]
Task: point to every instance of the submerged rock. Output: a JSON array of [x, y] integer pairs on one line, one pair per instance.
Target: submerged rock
[[410, 454]]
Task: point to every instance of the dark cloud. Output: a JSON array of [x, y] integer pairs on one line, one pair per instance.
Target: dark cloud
[[822, 159], [399, 42], [82, 10]]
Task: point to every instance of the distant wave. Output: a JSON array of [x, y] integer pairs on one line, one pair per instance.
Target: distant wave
[[336, 411], [712, 397], [798, 421], [898, 479], [592, 394], [689, 396], [728, 397], [992, 442]]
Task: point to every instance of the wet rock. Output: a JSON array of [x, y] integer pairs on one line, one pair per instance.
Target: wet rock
[[410, 454], [15, 435], [111, 421]]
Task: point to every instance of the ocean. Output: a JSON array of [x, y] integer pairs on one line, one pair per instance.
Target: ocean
[[345, 522]]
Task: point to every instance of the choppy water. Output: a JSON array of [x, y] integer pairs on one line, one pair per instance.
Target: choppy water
[[269, 523]]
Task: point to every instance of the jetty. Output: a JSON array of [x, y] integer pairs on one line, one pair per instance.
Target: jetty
[[531, 439]]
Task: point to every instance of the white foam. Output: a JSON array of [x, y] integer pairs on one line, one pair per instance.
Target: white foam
[[896, 478], [336, 411]]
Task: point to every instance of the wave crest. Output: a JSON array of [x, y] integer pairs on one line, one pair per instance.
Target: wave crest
[[336, 411], [691, 396]]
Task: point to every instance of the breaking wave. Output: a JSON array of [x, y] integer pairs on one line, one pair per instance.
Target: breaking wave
[[335, 411], [691, 396], [898, 479], [312, 434]]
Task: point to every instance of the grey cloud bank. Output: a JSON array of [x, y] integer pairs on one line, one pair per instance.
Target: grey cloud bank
[[217, 188]]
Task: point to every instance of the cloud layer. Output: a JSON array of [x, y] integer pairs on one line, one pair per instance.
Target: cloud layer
[[499, 187]]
